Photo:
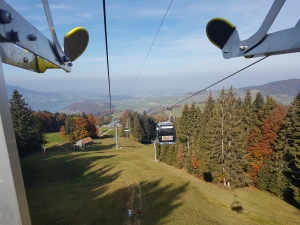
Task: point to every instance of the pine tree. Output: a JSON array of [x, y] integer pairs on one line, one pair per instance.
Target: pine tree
[[28, 130], [247, 113], [136, 130], [268, 106], [184, 126], [216, 139], [148, 127], [288, 153], [235, 170], [194, 126], [258, 102], [184, 131], [204, 135]]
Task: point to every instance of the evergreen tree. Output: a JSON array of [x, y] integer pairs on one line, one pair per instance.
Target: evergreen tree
[[204, 135], [136, 131], [268, 106], [28, 129], [258, 102], [197, 158], [184, 131], [194, 126], [227, 142], [148, 126], [247, 113], [288, 154], [216, 139], [235, 170], [258, 118], [184, 126]]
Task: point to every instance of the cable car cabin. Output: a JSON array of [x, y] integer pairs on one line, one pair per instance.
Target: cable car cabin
[[165, 133]]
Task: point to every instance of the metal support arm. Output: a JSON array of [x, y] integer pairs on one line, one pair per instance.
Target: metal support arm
[[225, 36], [15, 29]]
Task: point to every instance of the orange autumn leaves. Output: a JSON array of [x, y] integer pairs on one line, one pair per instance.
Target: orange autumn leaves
[[260, 146], [81, 127]]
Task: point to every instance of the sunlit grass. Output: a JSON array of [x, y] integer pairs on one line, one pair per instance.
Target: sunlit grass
[[96, 186], [104, 129], [54, 139]]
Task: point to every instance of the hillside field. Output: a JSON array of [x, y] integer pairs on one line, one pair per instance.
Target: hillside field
[[99, 184]]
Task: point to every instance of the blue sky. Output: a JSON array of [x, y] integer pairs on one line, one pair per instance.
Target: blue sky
[[182, 57]]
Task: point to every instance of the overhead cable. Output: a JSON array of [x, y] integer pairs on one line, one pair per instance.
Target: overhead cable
[[107, 62], [151, 47], [219, 81]]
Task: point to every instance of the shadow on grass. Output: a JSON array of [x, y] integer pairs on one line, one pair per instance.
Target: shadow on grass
[[96, 147], [207, 176], [60, 186], [68, 189], [99, 147], [236, 206], [159, 200], [106, 136], [53, 168]]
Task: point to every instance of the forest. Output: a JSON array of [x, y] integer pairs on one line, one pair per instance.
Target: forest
[[30, 127], [236, 143], [230, 141]]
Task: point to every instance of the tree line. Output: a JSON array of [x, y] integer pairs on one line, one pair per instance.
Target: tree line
[[240, 142], [140, 127], [30, 127]]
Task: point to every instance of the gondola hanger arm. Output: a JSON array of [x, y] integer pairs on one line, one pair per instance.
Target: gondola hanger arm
[[264, 28], [58, 50], [225, 36]]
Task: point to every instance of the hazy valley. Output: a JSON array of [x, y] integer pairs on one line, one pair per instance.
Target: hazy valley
[[90, 102]]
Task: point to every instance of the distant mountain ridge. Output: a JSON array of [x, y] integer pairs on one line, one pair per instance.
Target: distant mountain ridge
[[283, 91], [290, 87], [56, 101]]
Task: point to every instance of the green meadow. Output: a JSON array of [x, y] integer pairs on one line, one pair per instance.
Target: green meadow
[[99, 184]]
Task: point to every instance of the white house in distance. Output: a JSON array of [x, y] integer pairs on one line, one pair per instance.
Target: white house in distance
[[84, 142]]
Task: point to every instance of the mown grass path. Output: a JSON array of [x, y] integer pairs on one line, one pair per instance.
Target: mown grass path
[[99, 184]]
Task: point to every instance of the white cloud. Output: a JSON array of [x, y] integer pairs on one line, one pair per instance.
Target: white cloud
[[56, 6], [85, 15]]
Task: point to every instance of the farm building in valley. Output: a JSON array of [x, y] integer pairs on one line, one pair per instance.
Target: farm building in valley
[[84, 142]]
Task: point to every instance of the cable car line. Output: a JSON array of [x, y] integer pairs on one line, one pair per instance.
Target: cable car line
[[219, 81], [107, 62], [165, 131], [151, 47]]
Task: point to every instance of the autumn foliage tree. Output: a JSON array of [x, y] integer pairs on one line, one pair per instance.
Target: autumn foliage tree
[[78, 127], [51, 122], [260, 154]]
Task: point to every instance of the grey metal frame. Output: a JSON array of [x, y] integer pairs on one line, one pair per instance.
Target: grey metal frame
[[19, 31], [13, 201], [16, 36], [263, 44]]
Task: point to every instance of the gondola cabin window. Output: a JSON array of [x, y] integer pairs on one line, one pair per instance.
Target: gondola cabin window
[[165, 133]]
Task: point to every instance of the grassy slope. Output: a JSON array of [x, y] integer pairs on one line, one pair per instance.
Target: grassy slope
[[54, 139], [177, 112], [95, 187]]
